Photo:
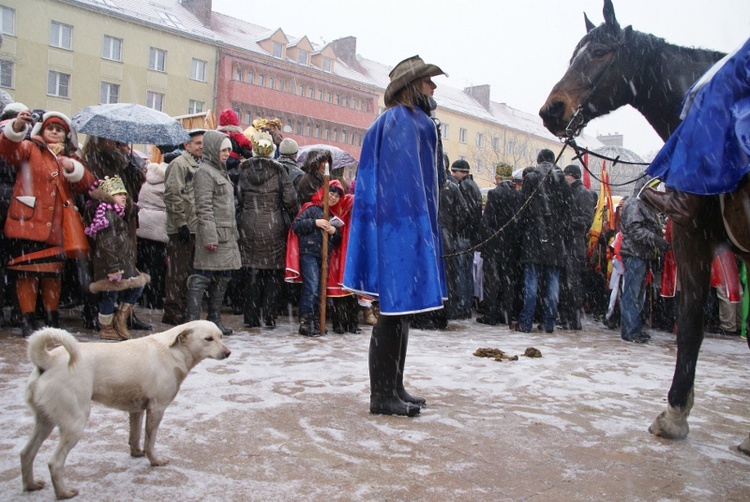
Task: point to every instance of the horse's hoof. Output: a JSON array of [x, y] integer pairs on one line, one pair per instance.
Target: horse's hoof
[[744, 447], [670, 424]]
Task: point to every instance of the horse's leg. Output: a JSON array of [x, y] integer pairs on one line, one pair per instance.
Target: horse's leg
[[693, 253]]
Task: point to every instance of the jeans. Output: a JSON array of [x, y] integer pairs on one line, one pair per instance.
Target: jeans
[[551, 276], [633, 296], [107, 299], [309, 300]]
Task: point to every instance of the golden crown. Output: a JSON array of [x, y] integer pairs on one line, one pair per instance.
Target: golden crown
[[264, 124], [112, 186]]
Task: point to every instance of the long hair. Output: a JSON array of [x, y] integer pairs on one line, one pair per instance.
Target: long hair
[[408, 96], [314, 159]]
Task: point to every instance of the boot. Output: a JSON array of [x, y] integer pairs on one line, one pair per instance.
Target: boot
[[405, 396], [680, 207], [120, 323], [196, 286], [52, 318], [316, 325], [215, 300], [28, 322], [368, 316], [90, 312], [307, 326], [384, 361], [575, 320], [137, 324], [106, 331]]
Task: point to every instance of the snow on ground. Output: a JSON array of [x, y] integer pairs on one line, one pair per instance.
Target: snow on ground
[[286, 417]]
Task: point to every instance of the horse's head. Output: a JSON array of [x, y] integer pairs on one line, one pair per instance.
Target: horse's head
[[594, 84]]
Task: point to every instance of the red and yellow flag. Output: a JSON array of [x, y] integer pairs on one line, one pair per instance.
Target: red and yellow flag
[[604, 217]]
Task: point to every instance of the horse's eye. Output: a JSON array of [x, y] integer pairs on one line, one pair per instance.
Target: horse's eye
[[599, 53]]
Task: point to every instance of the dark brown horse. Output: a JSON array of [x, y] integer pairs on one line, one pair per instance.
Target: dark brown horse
[[612, 67]]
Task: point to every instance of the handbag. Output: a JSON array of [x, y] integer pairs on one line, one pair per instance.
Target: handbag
[[75, 243]]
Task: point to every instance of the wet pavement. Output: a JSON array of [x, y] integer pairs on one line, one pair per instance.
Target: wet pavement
[[286, 418]]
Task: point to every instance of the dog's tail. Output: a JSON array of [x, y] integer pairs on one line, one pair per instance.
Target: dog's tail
[[38, 342]]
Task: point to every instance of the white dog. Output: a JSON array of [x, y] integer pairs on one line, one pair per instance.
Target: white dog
[[142, 374]]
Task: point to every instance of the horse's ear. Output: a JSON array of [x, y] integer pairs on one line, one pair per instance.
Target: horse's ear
[[589, 25], [609, 15]]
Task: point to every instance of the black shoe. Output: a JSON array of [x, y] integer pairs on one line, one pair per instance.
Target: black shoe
[[137, 324], [392, 405], [28, 324], [490, 321], [516, 326], [52, 319], [270, 322], [637, 339]]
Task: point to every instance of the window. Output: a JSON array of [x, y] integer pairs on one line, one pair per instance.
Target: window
[[112, 48], [308, 129], [261, 80], [480, 140], [327, 64], [326, 133], [58, 84], [250, 77], [444, 130], [271, 83], [320, 94], [109, 93], [310, 93], [6, 73], [330, 97], [338, 99], [317, 130], [195, 106], [302, 90], [496, 143], [7, 20], [155, 100], [198, 70], [478, 165], [157, 59], [343, 136], [299, 128], [248, 117], [462, 135], [171, 20], [278, 50], [302, 57], [61, 35], [238, 73], [282, 85], [335, 135]]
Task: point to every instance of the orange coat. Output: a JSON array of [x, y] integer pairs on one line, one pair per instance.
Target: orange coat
[[42, 188]]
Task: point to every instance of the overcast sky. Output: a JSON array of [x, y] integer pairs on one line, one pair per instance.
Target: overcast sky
[[520, 47]]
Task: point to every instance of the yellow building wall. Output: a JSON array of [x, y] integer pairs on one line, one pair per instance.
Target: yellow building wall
[[34, 56]]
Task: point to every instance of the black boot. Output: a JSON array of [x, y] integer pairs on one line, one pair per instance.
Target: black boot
[[28, 324], [575, 320], [680, 207], [385, 361], [91, 312], [307, 326], [215, 300], [405, 396], [137, 324], [52, 318]]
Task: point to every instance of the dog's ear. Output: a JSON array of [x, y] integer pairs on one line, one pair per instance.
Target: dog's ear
[[181, 337]]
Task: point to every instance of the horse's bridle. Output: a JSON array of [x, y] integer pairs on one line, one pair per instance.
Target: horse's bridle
[[577, 120]]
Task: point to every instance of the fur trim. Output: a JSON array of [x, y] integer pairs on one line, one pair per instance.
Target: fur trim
[[106, 285], [72, 135], [101, 196], [15, 137], [77, 174]]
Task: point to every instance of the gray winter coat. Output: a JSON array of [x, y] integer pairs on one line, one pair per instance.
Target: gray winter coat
[[641, 231], [264, 190], [214, 210], [178, 193]]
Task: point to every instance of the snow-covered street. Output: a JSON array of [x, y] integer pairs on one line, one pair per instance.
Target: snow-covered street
[[286, 418]]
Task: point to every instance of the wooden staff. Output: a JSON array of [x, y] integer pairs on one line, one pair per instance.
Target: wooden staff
[[324, 253]]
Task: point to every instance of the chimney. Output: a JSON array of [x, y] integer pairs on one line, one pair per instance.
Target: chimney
[[200, 9], [346, 50], [481, 93]]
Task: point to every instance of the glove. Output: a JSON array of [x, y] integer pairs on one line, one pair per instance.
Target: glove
[[184, 234]]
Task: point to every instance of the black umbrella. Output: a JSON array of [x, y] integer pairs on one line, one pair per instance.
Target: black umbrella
[[130, 123]]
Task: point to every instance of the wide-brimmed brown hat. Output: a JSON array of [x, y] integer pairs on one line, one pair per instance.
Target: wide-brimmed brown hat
[[406, 71]]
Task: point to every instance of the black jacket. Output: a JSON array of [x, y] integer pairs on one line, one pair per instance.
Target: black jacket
[[310, 236], [545, 217], [473, 198], [503, 203], [583, 206]]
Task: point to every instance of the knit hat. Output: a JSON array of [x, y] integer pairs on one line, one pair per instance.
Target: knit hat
[[409, 70], [228, 118], [545, 155], [574, 171], [288, 147], [263, 145], [112, 186], [461, 165]]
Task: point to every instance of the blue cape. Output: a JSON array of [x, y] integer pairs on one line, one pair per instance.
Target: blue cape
[[709, 151], [394, 251]]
